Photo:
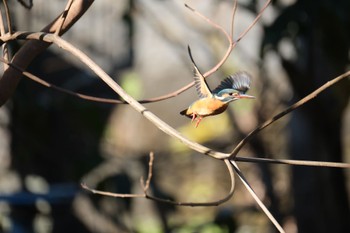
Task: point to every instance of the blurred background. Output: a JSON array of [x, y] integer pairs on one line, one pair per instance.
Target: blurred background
[[51, 142]]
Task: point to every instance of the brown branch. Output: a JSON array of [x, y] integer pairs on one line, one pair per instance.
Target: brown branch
[[254, 21], [256, 198], [146, 186], [232, 44], [286, 111], [228, 37], [4, 48], [31, 49], [57, 88], [233, 18], [293, 162], [8, 16]]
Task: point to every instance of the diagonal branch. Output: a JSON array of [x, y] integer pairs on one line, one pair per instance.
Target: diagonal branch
[[256, 198], [8, 16], [286, 111]]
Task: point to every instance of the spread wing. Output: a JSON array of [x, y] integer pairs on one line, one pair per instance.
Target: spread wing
[[201, 85], [239, 81]]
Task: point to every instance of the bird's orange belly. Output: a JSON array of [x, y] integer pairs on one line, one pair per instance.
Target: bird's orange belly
[[207, 107]]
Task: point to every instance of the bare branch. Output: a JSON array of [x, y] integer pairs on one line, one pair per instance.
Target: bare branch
[[256, 198], [57, 88], [4, 48], [293, 162], [150, 166], [208, 20], [110, 194], [146, 195], [228, 37], [286, 111], [233, 18], [232, 44], [254, 22], [8, 16]]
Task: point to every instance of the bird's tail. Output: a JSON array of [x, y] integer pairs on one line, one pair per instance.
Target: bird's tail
[[183, 112]]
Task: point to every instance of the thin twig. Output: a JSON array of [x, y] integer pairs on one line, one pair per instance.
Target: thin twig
[[256, 198], [293, 162], [210, 203], [146, 195], [254, 21], [229, 39], [286, 111], [8, 17], [145, 186], [233, 18], [110, 194], [208, 20], [4, 49], [53, 86]]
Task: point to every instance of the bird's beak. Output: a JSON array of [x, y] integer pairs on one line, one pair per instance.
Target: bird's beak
[[244, 96]]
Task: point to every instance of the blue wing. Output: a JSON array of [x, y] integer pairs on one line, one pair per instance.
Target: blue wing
[[239, 81]]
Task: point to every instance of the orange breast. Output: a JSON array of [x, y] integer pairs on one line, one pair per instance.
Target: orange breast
[[207, 107]]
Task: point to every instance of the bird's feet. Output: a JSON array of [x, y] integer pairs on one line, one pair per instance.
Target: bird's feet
[[194, 115], [198, 121], [197, 118]]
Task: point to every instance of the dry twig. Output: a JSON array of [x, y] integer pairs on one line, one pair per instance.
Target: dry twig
[[146, 186], [286, 111]]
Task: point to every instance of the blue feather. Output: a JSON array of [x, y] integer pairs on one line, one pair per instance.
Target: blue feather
[[239, 81]]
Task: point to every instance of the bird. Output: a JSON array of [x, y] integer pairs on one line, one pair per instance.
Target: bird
[[214, 102]]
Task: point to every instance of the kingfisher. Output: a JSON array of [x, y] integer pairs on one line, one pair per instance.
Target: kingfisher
[[214, 102]]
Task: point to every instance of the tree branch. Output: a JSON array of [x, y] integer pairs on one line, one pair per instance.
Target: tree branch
[[286, 111], [146, 186]]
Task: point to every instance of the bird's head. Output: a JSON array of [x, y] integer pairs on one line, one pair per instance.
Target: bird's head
[[229, 95]]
